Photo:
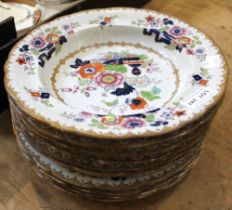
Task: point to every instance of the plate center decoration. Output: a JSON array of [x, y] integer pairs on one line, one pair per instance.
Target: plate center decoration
[[115, 78]]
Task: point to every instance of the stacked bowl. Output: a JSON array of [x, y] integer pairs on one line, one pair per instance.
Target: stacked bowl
[[114, 104]]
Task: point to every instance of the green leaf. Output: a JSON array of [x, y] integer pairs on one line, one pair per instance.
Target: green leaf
[[117, 68], [163, 29], [101, 126], [47, 30], [94, 121], [113, 103], [97, 124], [142, 57], [193, 41], [58, 48], [150, 118], [198, 42], [35, 52], [54, 28], [203, 72], [176, 103], [171, 47], [156, 97], [192, 45], [149, 95], [196, 37]]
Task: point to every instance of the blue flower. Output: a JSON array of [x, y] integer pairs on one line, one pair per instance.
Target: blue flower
[[200, 50], [62, 40], [103, 23], [66, 27], [136, 71], [168, 21], [24, 48], [127, 101], [45, 95], [159, 123], [79, 119], [197, 77], [155, 90], [28, 58], [167, 115]]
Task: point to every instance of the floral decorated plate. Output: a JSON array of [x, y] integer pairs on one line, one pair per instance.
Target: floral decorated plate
[[116, 72], [25, 16]]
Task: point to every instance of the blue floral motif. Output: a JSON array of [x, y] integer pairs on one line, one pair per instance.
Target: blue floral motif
[[197, 77], [78, 63], [24, 48], [168, 21], [45, 95], [159, 123], [136, 71], [126, 90], [174, 36]]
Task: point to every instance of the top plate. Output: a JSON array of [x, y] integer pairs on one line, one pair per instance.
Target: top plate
[[118, 71]]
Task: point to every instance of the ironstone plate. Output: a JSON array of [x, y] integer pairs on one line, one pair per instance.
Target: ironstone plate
[[116, 73]]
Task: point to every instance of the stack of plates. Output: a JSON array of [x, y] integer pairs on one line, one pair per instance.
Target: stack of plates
[[114, 104]]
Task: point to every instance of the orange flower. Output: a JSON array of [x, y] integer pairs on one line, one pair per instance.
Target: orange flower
[[35, 94], [138, 103], [111, 120], [53, 38], [89, 70], [183, 40], [107, 19], [203, 82]]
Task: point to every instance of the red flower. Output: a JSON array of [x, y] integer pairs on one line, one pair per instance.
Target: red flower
[[179, 113], [203, 82], [150, 18], [189, 52], [21, 61]]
